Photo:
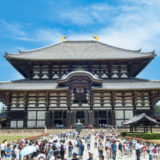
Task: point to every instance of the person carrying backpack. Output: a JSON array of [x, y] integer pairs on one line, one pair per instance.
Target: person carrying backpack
[[55, 149]]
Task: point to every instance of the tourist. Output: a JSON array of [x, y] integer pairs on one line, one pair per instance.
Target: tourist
[[41, 156], [81, 149], [100, 148], [88, 142], [108, 148], [3, 147], [75, 157], [49, 152], [101, 157], [114, 149], [70, 148], [149, 151], [8, 152], [144, 150], [15, 152], [62, 149], [155, 152], [55, 148], [138, 150], [90, 156], [120, 147]]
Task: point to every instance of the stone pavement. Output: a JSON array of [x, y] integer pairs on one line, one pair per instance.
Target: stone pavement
[[95, 152]]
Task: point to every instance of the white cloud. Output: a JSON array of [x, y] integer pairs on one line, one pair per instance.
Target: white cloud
[[85, 15], [136, 26], [131, 24]]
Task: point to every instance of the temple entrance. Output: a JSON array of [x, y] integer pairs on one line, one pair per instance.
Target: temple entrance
[[101, 118], [59, 122], [80, 116], [102, 121], [56, 119]]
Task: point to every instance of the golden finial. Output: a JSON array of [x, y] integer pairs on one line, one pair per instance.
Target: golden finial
[[96, 38], [63, 38]]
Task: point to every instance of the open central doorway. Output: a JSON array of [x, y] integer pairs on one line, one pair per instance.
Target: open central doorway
[[80, 116]]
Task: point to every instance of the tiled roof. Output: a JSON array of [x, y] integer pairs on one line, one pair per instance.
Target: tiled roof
[[80, 50], [139, 117], [125, 84], [130, 84]]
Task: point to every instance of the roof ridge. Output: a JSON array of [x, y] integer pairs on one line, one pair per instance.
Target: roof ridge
[[115, 47], [72, 41], [30, 51]]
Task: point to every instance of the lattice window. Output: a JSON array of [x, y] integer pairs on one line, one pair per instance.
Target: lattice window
[[118, 100], [115, 71], [16, 124], [44, 72], [123, 71], [36, 72]]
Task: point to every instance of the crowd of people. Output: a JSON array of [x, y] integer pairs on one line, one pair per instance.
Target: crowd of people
[[92, 145]]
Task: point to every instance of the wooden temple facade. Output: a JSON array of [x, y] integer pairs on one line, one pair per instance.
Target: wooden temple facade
[[71, 80]]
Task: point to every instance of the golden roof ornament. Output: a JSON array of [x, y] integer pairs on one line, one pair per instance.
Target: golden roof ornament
[[63, 38], [96, 38]]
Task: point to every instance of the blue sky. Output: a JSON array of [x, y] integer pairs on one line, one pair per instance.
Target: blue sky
[[30, 24]]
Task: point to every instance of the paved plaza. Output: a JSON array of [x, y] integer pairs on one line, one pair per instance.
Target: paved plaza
[[95, 151]]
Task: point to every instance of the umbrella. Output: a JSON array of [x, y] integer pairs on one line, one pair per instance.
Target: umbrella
[[27, 150]]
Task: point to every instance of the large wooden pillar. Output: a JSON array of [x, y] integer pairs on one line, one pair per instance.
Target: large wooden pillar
[[91, 108], [112, 120], [73, 118], [48, 114], [134, 102], [151, 103], [8, 102], [25, 108], [86, 117], [68, 124], [69, 114]]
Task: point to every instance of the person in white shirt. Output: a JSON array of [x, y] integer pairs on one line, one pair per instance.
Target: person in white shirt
[[138, 150], [3, 147]]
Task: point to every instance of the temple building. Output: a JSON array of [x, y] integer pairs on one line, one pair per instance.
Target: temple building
[[87, 80]]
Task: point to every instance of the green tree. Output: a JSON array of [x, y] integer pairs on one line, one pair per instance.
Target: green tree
[[157, 108], [3, 109]]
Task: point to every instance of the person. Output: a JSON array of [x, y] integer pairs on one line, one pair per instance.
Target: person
[[138, 150], [55, 148], [90, 156], [75, 157], [149, 151], [62, 149], [3, 147], [70, 148], [100, 148], [144, 149], [81, 149], [120, 147], [107, 152], [88, 143], [50, 152], [101, 157], [155, 152], [15, 152], [8, 152], [113, 149], [108, 148], [41, 156]]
